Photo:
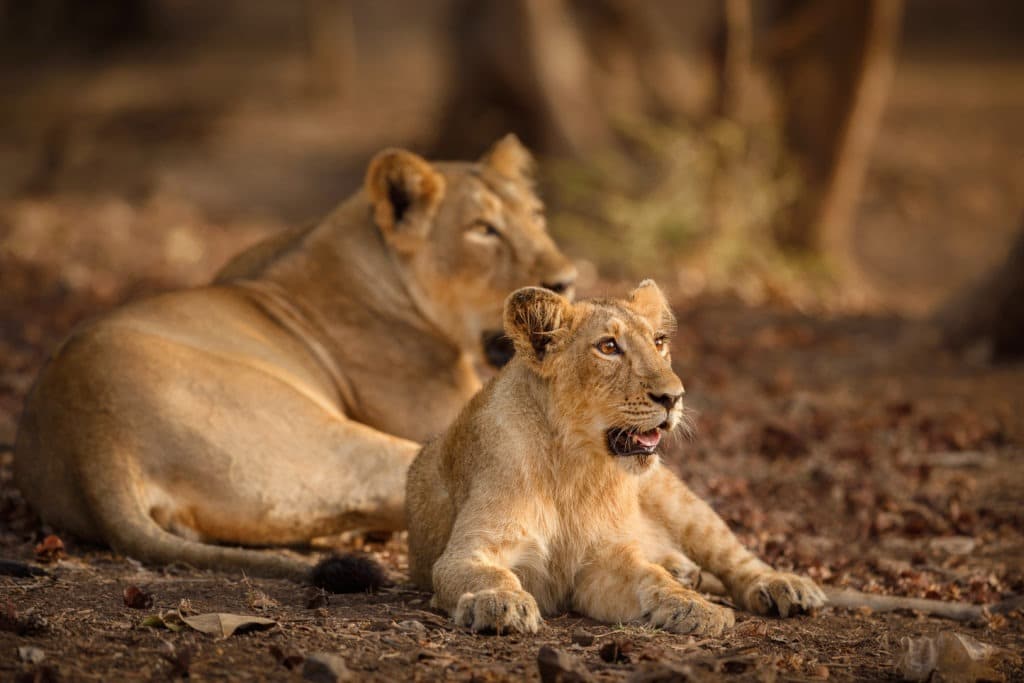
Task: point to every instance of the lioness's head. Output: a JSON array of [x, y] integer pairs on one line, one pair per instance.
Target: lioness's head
[[469, 233], [607, 365]]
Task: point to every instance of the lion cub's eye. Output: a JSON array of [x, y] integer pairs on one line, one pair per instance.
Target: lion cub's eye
[[661, 344], [482, 227], [608, 347]]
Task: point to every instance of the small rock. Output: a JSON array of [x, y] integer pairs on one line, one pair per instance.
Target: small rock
[[288, 659], [412, 626], [179, 658], [25, 624], [31, 655], [556, 666], [662, 672], [136, 598], [582, 638], [324, 667], [380, 625], [953, 545], [317, 599], [616, 651]]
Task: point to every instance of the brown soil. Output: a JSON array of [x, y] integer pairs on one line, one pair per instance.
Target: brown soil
[[854, 450]]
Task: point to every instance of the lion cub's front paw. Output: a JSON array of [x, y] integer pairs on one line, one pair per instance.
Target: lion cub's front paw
[[498, 611], [782, 593], [690, 613]]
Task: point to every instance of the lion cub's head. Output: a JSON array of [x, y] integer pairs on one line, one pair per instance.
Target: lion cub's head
[[606, 364], [469, 233]]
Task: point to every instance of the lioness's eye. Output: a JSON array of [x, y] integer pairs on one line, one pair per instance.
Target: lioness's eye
[[485, 228], [661, 344], [608, 347]]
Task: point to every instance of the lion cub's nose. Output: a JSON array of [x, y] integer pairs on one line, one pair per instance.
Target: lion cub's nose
[[668, 401]]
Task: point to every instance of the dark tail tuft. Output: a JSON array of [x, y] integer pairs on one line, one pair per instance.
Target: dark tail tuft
[[349, 574]]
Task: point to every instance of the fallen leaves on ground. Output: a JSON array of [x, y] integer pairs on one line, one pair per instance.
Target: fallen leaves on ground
[[224, 625], [50, 549]]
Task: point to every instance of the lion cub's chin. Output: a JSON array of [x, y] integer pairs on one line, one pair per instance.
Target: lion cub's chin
[[637, 464]]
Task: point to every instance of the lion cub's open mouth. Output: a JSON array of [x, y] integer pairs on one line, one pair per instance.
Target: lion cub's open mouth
[[623, 442]]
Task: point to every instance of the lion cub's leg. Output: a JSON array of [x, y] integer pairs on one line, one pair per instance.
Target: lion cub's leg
[[620, 585], [682, 568], [473, 584], [706, 538], [659, 547]]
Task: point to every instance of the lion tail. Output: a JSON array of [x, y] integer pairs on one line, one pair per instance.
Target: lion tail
[[130, 530]]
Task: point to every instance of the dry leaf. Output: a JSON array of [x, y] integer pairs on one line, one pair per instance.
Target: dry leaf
[[50, 549], [171, 621], [555, 665], [223, 625], [947, 657]]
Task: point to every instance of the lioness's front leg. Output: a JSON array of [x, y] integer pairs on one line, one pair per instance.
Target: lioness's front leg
[[618, 584], [479, 591], [706, 538]]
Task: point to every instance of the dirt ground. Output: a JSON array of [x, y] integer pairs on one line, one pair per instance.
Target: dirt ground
[[852, 449]]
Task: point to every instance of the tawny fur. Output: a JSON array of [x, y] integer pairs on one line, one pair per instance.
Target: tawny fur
[[521, 509], [285, 400]]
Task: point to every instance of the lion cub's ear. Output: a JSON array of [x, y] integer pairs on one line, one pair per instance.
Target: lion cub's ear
[[510, 159], [534, 317], [648, 300], [405, 191]]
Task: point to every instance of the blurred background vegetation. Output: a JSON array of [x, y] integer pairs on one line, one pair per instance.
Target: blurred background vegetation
[[829, 154]]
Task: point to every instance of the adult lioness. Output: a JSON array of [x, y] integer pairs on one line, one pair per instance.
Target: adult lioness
[[546, 492], [284, 401]]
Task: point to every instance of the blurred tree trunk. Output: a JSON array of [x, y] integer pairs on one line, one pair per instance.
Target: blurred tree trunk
[[563, 74], [991, 310], [559, 73], [506, 78], [737, 59], [834, 62], [61, 28], [331, 46]]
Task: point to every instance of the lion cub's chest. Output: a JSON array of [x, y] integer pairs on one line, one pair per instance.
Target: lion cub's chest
[[565, 537]]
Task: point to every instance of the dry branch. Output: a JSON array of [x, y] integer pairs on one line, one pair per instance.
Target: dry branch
[[852, 599], [847, 598]]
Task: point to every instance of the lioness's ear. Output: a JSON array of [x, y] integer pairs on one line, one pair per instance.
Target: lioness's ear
[[405, 191], [533, 319], [510, 159], [648, 300]]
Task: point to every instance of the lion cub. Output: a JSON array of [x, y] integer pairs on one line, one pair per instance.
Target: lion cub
[[546, 493]]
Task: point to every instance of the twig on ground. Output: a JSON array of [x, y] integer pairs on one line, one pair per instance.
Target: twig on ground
[[852, 599], [20, 569]]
